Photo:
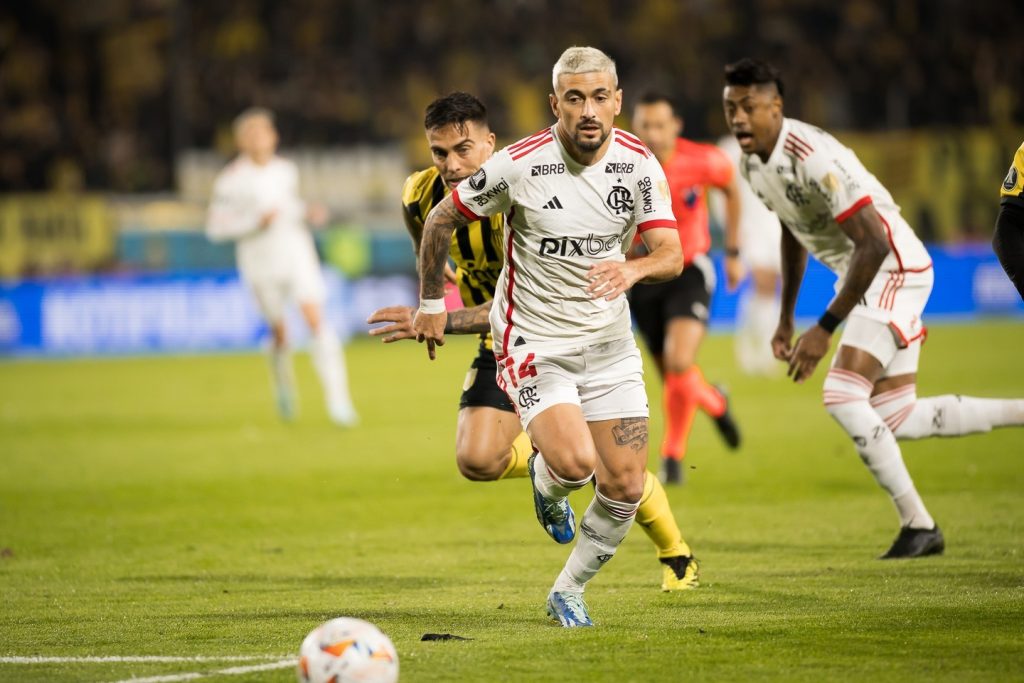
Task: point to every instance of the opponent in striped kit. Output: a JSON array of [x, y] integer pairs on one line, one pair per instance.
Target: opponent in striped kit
[[830, 206], [573, 196]]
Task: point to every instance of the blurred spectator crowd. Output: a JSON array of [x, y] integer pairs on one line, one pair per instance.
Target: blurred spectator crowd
[[104, 94]]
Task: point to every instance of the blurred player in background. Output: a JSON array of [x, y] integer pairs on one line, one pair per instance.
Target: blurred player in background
[[256, 204], [573, 195], [1008, 240], [758, 309], [831, 206], [490, 442], [673, 315]]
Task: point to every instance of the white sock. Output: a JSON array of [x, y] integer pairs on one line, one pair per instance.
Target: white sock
[[330, 367], [758, 316], [552, 486], [847, 401], [281, 373], [910, 417], [602, 529]]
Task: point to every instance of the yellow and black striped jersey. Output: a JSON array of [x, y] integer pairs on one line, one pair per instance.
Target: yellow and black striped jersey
[[476, 248], [1012, 190]]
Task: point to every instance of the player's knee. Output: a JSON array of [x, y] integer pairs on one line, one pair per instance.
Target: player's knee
[[625, 489], [678, 365], [572, 465], [477, 462]]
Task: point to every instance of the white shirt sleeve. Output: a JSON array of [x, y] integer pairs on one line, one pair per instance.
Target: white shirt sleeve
[[827, 177], [653, 205], [229, 217], [487, 192]]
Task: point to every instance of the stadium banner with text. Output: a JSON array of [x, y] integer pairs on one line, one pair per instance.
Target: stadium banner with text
[[169, 313], [52, 233], [215, 312]]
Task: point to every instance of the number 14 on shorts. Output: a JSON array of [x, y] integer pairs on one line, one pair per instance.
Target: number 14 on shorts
[[508, 374]]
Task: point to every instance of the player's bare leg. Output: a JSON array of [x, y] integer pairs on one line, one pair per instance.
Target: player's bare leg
[[759, 313], [847, 392], [620, 470], [281, 373], [330, 365], [490, 444], [685, 390]]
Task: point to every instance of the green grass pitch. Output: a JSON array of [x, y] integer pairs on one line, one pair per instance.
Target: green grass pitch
[[156, 506]]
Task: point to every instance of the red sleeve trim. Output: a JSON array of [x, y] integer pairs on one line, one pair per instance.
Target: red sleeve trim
[[857, 206], [463, 209], [657, 223]]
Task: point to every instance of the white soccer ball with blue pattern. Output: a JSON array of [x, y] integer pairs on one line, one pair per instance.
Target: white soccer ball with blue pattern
[[347, 650]]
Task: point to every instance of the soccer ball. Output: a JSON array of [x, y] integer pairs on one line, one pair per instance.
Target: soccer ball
[[347, 650]]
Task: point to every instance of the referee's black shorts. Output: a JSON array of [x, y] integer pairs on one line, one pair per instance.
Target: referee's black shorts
[[481, 385], [687, 296]]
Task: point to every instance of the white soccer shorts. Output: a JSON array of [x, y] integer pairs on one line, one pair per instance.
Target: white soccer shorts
[[302, 282], [605, 379], [888, 324]]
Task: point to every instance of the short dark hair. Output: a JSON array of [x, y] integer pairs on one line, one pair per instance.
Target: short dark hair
[[455, 108], [749, 71], [656, 97]]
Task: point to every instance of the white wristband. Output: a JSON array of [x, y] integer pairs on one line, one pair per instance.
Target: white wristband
[[432, 306]]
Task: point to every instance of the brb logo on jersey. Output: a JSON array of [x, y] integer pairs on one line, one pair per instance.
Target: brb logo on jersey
[[591, 245], [618, 168], [620, 200], [547, 169]]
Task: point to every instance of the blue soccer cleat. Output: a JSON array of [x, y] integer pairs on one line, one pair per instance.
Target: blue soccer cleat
[[556, 517], [568, 609]]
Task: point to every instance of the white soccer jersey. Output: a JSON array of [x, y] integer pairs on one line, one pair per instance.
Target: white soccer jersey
[[561, 218], [242, 194], [814, 183]]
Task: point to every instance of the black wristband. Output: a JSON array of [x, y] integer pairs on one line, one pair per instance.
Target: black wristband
[[732, 252], [829, 321]]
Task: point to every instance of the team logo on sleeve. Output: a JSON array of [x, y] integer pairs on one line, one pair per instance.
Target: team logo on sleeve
[[619, 200], [478, 180], [1011, 179]]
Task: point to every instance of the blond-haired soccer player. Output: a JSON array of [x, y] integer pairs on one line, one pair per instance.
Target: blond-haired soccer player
[[573, 195], [256, 204], [829, 205], [490, 442]]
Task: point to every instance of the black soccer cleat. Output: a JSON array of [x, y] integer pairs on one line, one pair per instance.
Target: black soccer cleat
[[727, 426], [916, 543], [672, 471]]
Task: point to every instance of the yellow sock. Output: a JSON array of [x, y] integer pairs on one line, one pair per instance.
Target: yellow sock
[[655, 516], [521, 449]]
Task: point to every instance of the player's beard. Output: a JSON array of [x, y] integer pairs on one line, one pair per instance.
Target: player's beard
[[587, 145]]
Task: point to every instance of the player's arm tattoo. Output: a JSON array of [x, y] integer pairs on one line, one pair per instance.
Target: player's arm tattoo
[[632, 432], [437, 238], [794, 263], [469, 320], [870, 247]]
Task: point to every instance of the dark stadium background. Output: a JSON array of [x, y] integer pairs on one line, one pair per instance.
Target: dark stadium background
[[115, 116]]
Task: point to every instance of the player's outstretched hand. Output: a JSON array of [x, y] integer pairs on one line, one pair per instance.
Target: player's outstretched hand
[[781, 341], [400, 328], [808, 351], [609, 279], [429, 328]]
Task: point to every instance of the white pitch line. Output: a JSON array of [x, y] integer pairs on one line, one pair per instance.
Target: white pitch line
[[231, 671], [156, 659]]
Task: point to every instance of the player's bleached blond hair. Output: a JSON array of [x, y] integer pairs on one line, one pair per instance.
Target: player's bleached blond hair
[[250, 114], [583, 60]]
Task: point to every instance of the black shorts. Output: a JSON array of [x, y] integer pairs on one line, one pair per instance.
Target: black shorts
[[481, 385], [687, 296]]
